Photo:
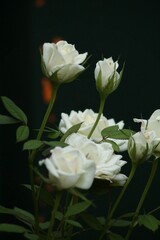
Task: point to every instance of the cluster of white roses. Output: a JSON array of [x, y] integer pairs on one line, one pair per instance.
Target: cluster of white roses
[[87, 157], [83, 160]]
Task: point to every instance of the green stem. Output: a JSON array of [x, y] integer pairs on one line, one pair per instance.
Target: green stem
[[52, 220], [144, 194], [133, 169], [33, 153], [101, 107]]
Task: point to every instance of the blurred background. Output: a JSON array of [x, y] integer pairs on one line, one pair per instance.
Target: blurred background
[[126, 30]]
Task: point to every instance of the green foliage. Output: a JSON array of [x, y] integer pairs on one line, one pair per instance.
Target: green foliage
[[22, 133], [77, 208], [14, 110], [4, 119], [149, 221], [12, 228], [71, 130], [116, 133]]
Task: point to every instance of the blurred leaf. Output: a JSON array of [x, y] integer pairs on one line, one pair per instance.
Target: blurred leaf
[[32, 144], [74, 223], [77, 208], [92, 221], [6, 227], [44, 225], [114, 236], [14, 110], [18, 213], [4, 119], [120, 223], [127, 215], [22, 133], [149, 221], [71, 130], [31, 236]]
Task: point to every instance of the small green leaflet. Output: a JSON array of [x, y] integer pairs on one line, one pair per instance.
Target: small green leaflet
[[77, 208], [149, 221], [6, 227], [71, 130], [116, 133], [14, 110], [22, 133], [4, 119], [32, 144], [74, 223]]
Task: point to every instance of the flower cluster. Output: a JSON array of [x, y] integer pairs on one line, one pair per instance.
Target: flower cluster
[[86, 150]]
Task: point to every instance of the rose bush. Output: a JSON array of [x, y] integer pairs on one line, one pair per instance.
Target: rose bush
[[61, 62]]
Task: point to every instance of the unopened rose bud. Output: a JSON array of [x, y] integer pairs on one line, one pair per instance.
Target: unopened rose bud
[[140, 147], [107, 77]]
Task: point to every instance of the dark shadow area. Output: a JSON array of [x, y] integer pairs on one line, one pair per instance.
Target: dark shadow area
[[126, 30]]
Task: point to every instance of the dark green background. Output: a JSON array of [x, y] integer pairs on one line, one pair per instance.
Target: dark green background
[[128, 30]]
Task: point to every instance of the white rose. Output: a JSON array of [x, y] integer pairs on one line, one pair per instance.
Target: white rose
[[108, 164], [106, 76], [140, 146], [152, 125], [61, 61], [69, 168], [88, 118]]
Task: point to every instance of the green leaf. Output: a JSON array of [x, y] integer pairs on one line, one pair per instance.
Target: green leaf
[[77, 208], [92, 221], [22, 133], [6, 227], [149, 221], [122, 134], [114, 236], [25, 215], [31, 236], [18, 213], [44, 225], [71, 130], [107, 132], [32, 144], [116, 133], [4, 119], [14, 110], [54, 134], [120, 223], [74, 223]]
